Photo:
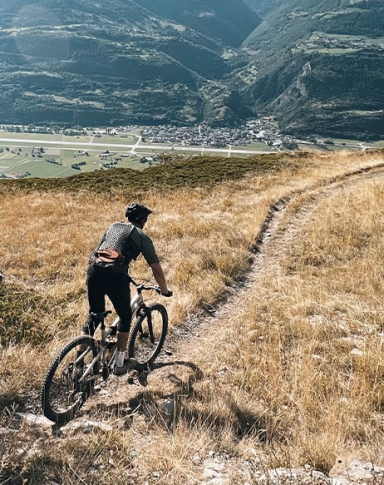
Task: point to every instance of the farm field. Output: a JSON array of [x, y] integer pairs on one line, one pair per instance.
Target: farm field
[[61, 162], [44, 155], [41, 155]]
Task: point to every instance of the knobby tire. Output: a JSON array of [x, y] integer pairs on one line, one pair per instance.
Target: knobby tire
[[62, 396], [147, 336]]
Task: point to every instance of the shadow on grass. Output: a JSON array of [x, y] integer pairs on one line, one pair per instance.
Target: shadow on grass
[[159, 406], [195, 408], [241, 420]]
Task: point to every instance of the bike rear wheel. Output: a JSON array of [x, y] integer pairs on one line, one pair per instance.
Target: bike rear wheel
[[64, 391], [147, 336]]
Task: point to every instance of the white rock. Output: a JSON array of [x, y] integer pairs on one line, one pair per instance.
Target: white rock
[[340, 481], [85, 426], [38, 420], [349, 468], [357, 352], [213, 469]]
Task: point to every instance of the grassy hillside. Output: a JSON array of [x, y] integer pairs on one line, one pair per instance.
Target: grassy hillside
[[276, 379], [225, 20]]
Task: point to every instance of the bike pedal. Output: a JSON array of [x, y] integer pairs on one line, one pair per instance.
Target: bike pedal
[[140, 378], [132, 374]]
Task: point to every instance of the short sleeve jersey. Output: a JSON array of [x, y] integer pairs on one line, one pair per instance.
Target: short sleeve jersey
[[129, 241]]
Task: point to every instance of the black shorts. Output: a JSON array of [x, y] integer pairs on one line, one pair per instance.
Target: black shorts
[[115, 285]]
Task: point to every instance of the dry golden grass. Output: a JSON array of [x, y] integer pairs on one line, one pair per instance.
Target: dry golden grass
[[280, 378], [311, 350]]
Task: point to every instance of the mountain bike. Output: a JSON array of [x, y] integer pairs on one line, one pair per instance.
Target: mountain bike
[[71, 377]]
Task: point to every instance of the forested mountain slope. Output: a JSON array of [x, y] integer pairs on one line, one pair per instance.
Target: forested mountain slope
[[317, 66], [88, 62], [320, 66]]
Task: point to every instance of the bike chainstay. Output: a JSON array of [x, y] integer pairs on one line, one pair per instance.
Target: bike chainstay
[[102, 361], [106, 356]]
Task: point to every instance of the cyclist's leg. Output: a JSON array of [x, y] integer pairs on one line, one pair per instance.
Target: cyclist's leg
[[96, 298], [96, 301], [119, 294]]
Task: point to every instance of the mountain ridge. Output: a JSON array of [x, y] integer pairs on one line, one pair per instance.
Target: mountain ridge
[[343, 44], [147, 69], [170, 62]]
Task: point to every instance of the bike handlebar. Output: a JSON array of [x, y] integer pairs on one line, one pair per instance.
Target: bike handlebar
[[141, 286]]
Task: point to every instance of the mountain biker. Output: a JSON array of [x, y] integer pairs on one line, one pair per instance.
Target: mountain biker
[[107, 274]]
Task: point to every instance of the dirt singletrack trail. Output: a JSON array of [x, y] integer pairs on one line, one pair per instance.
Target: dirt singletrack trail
[[281, 230], [189, 344]]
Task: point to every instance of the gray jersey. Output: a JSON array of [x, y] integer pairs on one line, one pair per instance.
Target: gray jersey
[[116, 237], [129, 242]]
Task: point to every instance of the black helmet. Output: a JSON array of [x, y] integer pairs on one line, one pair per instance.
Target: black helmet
[[135, 212]]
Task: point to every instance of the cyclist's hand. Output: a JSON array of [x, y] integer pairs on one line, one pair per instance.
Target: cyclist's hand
[[170, 293]]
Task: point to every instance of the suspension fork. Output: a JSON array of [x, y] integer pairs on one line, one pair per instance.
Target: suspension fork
[[148, 314], [144, 311]]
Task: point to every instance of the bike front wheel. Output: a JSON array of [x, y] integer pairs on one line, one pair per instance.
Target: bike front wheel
[[70, 380], [148, 335]]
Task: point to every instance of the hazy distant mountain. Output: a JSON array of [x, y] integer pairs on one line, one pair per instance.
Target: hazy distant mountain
[[317, 65], [118, 61], [225, 20], [263, 7]]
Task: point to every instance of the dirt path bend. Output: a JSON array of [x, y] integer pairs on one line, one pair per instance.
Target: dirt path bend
[[186, 343], [281, 230]]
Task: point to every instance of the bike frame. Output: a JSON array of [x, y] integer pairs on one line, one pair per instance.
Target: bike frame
[[137, 302]]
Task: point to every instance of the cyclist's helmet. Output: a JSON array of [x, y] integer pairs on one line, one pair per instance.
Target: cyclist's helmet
[[136, 212]]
